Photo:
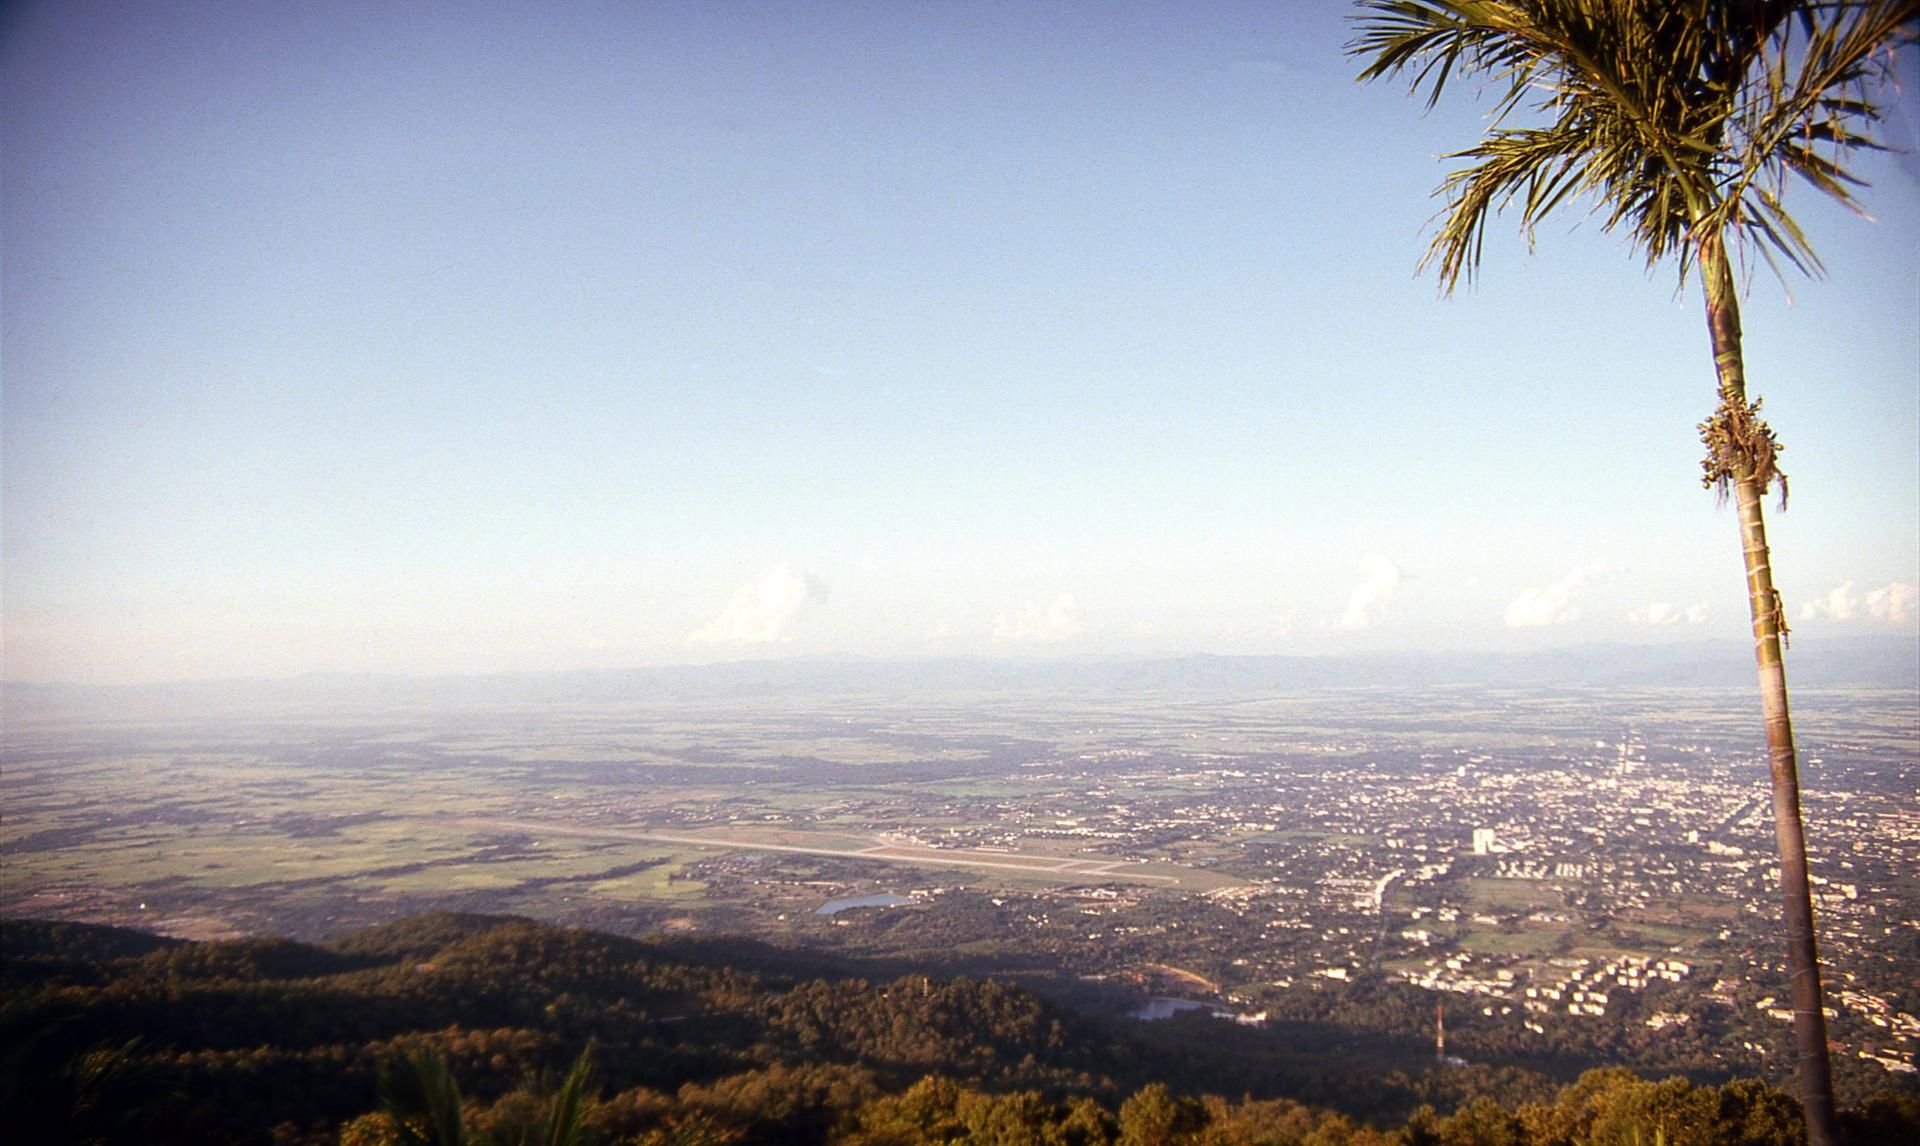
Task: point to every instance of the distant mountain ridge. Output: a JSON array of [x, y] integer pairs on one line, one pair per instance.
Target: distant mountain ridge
[[1860, 662]]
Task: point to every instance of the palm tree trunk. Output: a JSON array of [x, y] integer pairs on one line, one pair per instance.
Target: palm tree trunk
[[1750, 478]]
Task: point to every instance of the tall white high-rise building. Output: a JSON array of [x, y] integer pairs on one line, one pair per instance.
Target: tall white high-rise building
[[1482, 841]]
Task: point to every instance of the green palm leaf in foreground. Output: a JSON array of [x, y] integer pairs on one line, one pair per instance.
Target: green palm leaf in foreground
[[1681, 123], [424, 1108], [422, 1098]]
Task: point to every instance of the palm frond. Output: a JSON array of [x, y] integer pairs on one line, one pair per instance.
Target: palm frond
[[1813, 105], [1778, 232], [1438, 36], [420, 1095], [1676, 119], [566, 1114], [1538, 165]]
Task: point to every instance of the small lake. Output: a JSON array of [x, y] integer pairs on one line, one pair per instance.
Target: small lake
[[835, 906], [1166, 1008]]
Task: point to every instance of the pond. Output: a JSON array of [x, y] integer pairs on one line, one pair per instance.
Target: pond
[[835, 906], [1158, 1008]]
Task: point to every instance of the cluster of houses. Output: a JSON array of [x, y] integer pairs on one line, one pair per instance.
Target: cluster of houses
[[1574, 985], [1585, 990]]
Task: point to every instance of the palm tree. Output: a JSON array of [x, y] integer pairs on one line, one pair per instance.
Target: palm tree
[[1682, 121]]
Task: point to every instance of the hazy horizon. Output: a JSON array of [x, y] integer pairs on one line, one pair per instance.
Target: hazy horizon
[[1852, 663], [345, 338]]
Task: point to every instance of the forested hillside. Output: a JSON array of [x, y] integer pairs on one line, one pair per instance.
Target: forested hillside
[[116, 1036]]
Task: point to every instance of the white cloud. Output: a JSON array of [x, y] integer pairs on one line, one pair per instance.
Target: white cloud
[[1892, 603], [1033, 624], [1661, 613], [1379, 578], [762, 609], [1838, 605], [1553, 605]]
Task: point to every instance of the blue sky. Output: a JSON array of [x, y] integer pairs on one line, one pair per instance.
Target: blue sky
[[472, 337]]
